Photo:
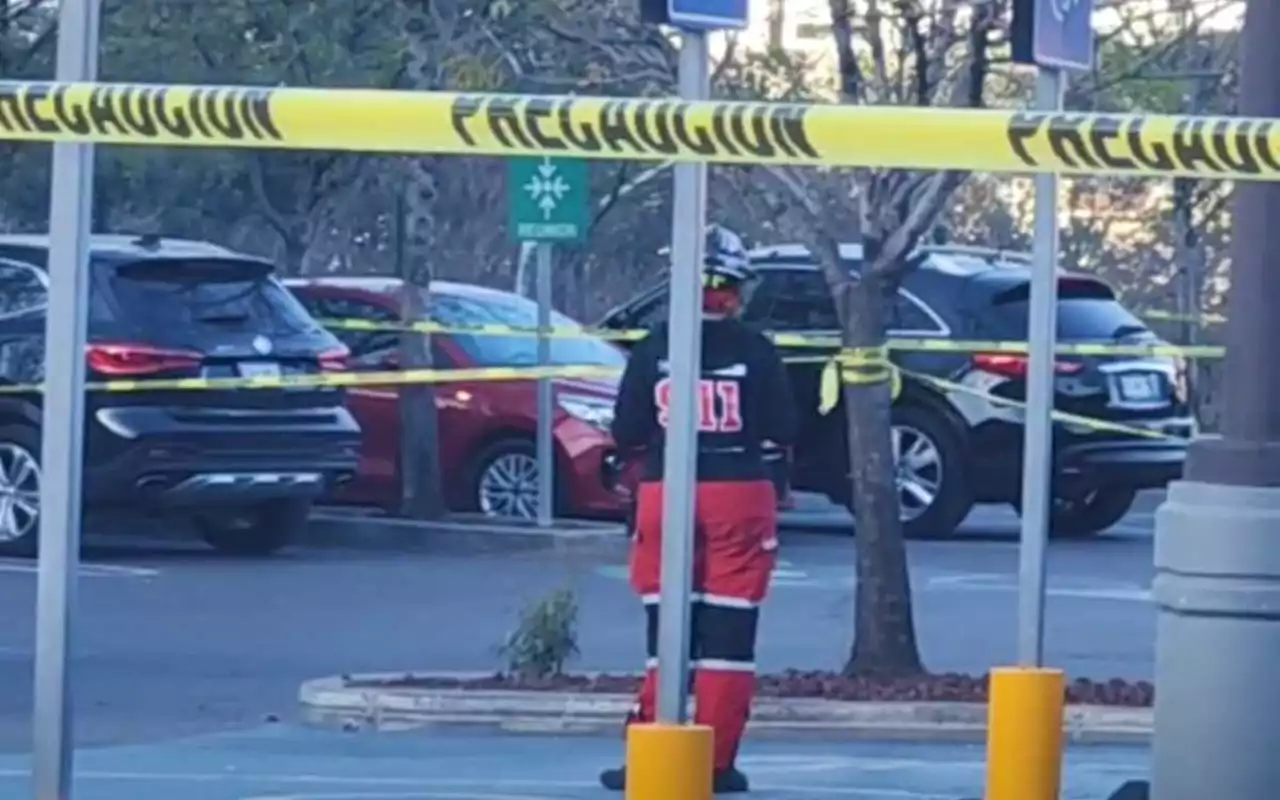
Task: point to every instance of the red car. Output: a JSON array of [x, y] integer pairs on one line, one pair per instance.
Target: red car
[[487, 428]]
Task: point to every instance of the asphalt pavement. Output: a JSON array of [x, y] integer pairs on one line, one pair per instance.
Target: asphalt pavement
[[282, 762], [174, 641]]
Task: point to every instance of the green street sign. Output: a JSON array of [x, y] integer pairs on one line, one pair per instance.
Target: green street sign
[[547, 199]]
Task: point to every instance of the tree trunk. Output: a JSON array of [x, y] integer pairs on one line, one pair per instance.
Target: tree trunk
[[416, 243], [419, 463], [777, 21], [295, 255], [884, 628], [420, 496]]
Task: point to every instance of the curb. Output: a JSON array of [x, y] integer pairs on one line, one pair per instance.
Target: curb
[[355, 531], [330, 701]]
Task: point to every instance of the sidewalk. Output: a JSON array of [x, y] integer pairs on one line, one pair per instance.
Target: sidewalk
[[331, 701]]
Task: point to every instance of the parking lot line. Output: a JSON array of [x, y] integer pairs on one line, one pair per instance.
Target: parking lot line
[[28, 567]]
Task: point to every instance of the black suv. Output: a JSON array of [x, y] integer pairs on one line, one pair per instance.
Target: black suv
[[959, 446], [244, 464]]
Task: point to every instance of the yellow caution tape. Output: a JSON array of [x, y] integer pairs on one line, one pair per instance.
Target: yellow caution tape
[[650, 129], [794, 339], [829, 388], [1203, 319], [434, 328], [1058, 416], [336, 379], [553, 332], [859, 366], [958, 346], [832, 374]]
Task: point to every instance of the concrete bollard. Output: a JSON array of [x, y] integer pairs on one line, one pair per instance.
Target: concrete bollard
[[1217, 585]]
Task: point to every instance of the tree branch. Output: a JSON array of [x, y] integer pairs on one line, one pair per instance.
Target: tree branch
[[257, 182], [890, 262], [874, 33], [851, 78], [912, 18], [35, 47]]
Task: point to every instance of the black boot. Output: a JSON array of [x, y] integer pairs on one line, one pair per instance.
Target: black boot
[[615, 780], [729, 781]]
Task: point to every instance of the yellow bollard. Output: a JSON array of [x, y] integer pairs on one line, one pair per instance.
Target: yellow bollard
[[1024, 734], [669, 762]]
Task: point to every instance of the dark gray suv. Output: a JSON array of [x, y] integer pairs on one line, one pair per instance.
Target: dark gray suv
[[959, 445], [245, 465]]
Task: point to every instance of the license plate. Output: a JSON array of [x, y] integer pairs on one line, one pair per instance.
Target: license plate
[[1140, 387], [259, 369]]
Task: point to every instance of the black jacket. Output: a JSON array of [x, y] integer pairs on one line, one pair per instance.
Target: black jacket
[[744, 396]]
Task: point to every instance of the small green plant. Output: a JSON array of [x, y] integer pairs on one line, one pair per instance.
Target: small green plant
[[546, 637]]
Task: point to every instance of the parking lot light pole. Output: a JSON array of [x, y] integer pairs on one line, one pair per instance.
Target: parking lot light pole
[[1217, 552], [1037, 451], [70, 212], [680, 458]]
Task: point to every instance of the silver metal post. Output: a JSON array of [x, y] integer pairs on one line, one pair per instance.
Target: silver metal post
[[1037, 451], [546, 408], [70, 212], [685, 356]]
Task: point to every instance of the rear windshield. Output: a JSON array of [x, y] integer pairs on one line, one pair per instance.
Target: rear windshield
[[208, 295], [513, 351], [1087, 310]]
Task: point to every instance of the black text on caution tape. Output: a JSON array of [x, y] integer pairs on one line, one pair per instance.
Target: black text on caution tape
[[1209, 146], [145, 112], [635, 127]]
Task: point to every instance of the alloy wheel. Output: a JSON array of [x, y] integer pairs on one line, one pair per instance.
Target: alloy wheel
[[917, 471], [19, 492], [509, 487], [1075, 504]]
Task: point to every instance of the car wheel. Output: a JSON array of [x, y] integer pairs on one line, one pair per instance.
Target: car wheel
[[20, 478], [255, 531], [933, 491], [1091, 513], [504, 482]]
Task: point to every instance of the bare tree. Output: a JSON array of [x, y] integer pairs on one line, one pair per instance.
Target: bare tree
[[908, 52], [436, 38]]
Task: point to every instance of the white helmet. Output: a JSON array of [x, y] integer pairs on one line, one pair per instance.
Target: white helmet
[[724, 259]]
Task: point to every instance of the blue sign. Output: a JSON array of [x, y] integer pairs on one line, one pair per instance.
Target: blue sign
[[1062, 34], [708, 14]]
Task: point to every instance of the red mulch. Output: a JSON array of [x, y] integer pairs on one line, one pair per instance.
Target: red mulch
[[796, 684]]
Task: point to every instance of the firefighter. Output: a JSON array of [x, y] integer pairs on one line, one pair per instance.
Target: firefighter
[[745, 401]]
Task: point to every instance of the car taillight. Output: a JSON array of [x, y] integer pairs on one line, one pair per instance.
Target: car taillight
[[1014, 365], [334, 360], [128, 359]]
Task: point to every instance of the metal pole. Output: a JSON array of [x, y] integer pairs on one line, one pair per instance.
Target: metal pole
[[70, 212], [685, 356], [1037, 449], [1194, 262], [546, 409]]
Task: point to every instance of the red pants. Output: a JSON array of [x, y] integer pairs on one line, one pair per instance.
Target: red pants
[[735, 529]]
